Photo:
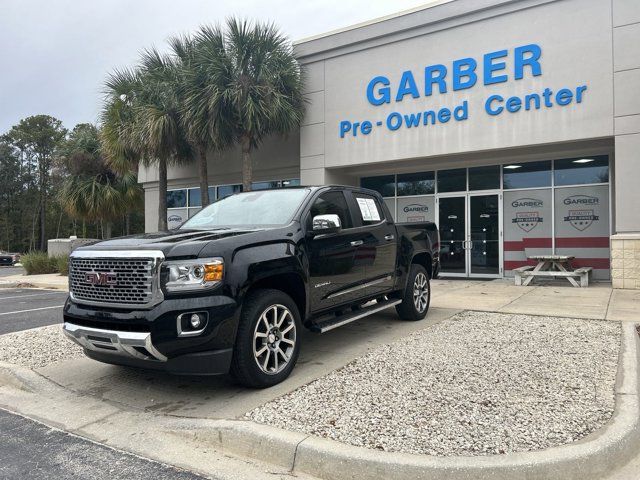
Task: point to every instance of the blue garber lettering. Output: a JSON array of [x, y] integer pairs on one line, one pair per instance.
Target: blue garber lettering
[[496, 104], [492, 68], [496, 67]]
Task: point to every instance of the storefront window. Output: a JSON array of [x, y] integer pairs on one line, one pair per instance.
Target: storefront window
[[422, 183], [484, 178], [527, 175], [580, 171], [264, 185], [292, 182], [452, 180], [528, 226], [385, 184], [226, 190], [582, 227], [416, 209], [195, 200], [177, 198]]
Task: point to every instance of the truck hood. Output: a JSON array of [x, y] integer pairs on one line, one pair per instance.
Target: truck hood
[[176, 243]]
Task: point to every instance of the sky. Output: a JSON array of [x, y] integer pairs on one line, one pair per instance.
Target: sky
[[56, 54]]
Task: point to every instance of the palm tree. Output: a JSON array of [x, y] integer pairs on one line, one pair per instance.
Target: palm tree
[[141, 119], [246, 85], [196, 124], [93, 192]]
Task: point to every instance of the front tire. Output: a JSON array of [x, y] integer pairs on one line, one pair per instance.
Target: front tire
[[267, 342], [417, 295]]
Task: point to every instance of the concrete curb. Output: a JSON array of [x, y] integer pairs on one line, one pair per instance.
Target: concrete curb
[[28, 284], [592, 457]]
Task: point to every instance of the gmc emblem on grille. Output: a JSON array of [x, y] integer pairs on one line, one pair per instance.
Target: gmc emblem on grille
[[101, 279]]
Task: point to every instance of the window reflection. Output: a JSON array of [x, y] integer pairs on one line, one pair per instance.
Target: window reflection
[[484, 178], [580, 171], [421, 183], [527, 175], [384, 184], [452, 180], [176, 198]]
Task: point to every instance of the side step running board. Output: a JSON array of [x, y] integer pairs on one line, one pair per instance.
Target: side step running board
[[335, 322]]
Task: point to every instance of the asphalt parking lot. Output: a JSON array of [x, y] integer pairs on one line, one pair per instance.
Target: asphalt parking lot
[[8, 271], [24, 308], [34, 451]]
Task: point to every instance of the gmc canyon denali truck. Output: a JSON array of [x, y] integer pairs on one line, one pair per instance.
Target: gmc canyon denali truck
[[231, 289]]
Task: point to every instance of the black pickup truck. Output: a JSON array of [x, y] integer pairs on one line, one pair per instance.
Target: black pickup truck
[[231, 289]]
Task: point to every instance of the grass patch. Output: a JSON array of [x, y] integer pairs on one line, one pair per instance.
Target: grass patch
[[38, 263], [62, 264]]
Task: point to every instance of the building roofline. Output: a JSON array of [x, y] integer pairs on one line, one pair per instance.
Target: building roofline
[[433, 16], [431, 4]]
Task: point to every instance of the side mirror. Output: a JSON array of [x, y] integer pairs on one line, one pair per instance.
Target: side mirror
[[323, 224]]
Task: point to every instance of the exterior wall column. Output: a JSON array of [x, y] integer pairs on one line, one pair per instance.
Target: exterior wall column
[[312, 171], [625, 243]]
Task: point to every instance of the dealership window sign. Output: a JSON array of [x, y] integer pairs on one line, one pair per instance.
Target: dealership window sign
[[462, 74]]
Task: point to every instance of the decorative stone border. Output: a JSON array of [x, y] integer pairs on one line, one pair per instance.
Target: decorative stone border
[[597, 454]]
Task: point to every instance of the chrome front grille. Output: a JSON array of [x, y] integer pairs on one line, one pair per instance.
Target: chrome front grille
[[118, 278]]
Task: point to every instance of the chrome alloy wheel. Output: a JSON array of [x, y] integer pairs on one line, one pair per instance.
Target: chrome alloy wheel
[[420, 292], [274, 339]]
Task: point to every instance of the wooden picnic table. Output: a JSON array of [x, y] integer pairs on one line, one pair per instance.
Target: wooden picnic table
[[553, 266]]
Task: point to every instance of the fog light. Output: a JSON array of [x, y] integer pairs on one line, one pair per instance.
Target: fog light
[[195, 321], [192, 323]]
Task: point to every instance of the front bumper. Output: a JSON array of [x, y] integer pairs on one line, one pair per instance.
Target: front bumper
[[150, 338], [129, 344]]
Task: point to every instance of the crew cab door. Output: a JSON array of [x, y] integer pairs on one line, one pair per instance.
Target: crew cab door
[[379, 250], [336, 268]]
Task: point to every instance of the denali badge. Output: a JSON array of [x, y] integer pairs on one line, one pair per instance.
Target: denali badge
[[97, 278]]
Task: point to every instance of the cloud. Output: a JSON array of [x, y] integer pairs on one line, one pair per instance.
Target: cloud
[[55, 55]]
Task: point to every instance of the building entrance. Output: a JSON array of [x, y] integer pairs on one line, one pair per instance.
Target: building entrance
[[470, 234]]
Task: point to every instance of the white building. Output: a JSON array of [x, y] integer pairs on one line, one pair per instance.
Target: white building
[[513, 124]]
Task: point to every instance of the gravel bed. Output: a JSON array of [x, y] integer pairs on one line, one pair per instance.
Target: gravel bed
[[476, 384], [37, 347]]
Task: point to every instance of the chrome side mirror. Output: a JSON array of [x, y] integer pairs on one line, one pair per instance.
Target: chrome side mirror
[[329, 223]]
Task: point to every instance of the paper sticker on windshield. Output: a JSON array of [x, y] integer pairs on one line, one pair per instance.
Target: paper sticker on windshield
[[368, 209], [373, 209]]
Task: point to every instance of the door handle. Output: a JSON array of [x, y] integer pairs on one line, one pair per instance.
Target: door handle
[[389, 237], [356, 243]]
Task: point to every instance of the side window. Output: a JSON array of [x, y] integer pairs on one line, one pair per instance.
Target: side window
[[332, 203], [368, 209]]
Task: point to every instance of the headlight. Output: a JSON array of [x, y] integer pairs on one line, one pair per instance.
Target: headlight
[[193, 275]]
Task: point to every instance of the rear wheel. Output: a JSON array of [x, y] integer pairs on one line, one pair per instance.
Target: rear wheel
[[267, 342], [417, 295]]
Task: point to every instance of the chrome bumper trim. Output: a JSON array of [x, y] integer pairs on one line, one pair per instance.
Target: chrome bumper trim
[[115, 342]]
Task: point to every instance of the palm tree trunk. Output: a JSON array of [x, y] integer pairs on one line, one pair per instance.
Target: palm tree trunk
[[162, 192], [204, 176], [106, 230], [246, 164], [59, 222], [43, 222]]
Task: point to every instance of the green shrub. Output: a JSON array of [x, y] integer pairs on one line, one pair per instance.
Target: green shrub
[[36, 263], [62, 264]]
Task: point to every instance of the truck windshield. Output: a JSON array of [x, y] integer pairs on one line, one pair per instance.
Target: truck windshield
[[260, 209]]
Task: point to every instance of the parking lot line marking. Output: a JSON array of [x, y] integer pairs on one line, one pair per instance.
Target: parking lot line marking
[[31, 310], [34, 295]]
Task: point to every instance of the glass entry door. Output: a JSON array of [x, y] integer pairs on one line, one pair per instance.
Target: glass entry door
[[470, 235], [453, 238]]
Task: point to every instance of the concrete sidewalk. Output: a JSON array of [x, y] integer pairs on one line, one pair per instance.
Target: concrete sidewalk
[[598, 301], [49, 280]]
